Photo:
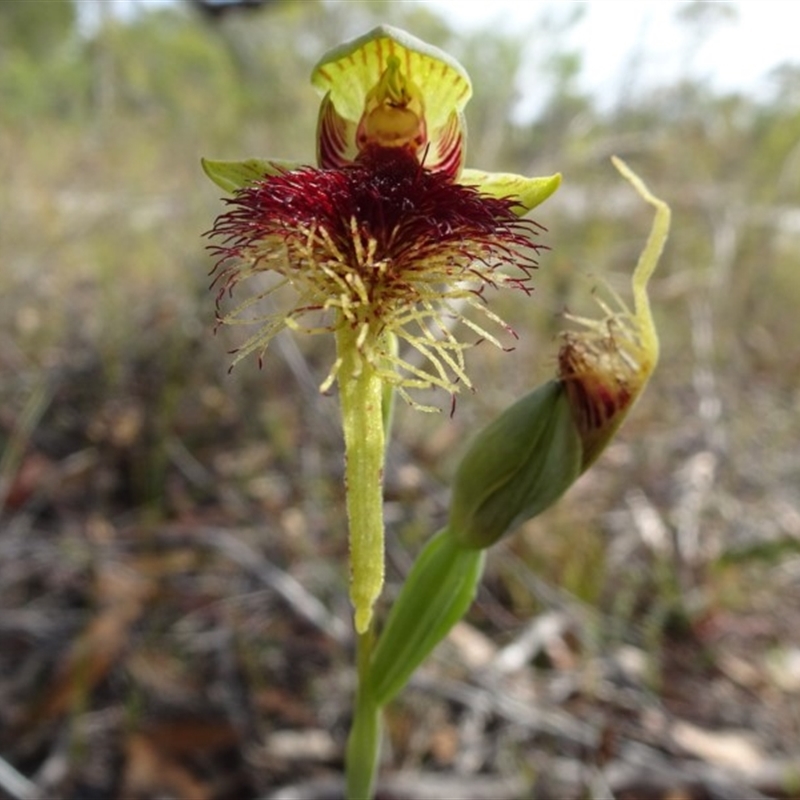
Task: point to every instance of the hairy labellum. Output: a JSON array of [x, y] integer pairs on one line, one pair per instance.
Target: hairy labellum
[[392, 247]]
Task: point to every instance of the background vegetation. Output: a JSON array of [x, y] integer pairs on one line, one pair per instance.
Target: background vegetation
[[172, 547]]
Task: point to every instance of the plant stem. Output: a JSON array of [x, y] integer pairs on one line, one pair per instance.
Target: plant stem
[[361, 396], [363, 743]]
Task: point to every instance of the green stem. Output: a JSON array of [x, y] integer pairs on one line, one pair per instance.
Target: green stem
[[363, 743], [361, 396]]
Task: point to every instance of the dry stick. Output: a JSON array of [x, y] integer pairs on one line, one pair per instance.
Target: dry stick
[[15, 784], [636, 765], [520, 712]]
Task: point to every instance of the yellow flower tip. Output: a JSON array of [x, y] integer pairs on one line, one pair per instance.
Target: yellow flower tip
[[605, 366], [362, 618], [366, 550]]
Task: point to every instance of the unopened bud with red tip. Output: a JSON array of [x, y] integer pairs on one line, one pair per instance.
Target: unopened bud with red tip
[[524, 460]]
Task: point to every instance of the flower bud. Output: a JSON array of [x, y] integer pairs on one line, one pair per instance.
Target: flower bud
[[521, 463], [516, 467]]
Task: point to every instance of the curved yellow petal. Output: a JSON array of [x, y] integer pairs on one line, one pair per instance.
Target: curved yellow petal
[[349, 72], [234, 175], [527, 193], [389, 89]]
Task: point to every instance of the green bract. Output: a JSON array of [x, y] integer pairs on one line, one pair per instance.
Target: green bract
[[516, 467], [436, 594]]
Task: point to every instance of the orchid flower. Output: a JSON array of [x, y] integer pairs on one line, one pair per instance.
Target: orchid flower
[[388, 243]]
